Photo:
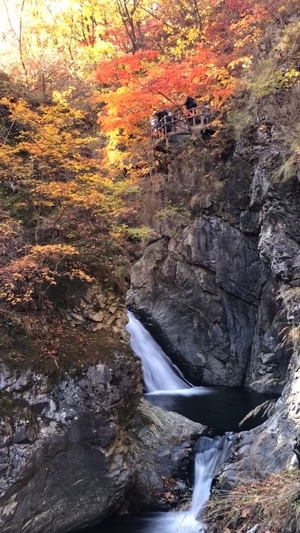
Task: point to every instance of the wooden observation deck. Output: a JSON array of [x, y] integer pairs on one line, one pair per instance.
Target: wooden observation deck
[[172, 127]]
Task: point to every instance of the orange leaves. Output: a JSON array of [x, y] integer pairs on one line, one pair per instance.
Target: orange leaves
[[128, 78], [66, 180], [139, 92], [121, 70], [26, 279], [204, 47], [159, 84], [134, 85]]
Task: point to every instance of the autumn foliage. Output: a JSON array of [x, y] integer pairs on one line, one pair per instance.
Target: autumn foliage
[[186, 48], [74, 122], [62, 210]]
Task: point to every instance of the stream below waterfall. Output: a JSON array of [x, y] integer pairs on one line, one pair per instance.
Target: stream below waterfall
[[219, 408]]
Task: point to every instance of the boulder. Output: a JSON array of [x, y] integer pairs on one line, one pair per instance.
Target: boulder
[[73, 453]]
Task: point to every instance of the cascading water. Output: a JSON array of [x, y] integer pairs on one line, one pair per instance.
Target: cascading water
[[210, 456], [160, 376], [159, 373]]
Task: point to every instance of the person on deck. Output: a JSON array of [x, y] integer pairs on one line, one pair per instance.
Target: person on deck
[[156, 123], [190, 103], [168, 121], [190, 106], [161, 123]]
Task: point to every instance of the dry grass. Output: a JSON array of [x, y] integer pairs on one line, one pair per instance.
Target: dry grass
[[273, 503], [291, 300]]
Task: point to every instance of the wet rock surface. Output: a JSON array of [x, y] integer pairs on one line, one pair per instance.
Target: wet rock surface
[[84, 445], [271, 447], [162, 474]]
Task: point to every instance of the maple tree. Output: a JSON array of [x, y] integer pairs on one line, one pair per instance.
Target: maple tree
[[188, 48]]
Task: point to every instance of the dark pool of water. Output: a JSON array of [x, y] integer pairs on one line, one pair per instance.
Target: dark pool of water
[[220, 408]]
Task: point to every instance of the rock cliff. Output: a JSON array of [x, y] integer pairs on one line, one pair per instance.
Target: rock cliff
[[73, 452], [210, 283], [219, 285], [227, 246]]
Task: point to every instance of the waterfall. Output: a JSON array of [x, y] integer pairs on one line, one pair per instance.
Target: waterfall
[[161, 376], [159, 373], [210, 456]]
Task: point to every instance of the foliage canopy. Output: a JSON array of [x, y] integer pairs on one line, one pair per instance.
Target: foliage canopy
[[81, 79]]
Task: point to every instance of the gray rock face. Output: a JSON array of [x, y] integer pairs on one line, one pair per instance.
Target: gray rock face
[[269, 448], [222, 290], [203, 301], [61, 450], [71, 454], [162, 443], [209, 287]]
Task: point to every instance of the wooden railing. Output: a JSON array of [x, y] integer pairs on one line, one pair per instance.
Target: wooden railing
[[181, 123]]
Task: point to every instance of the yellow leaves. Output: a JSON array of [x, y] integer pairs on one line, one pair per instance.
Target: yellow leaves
[[25, 279], [8, 230], [50, 145], [100, 196], [243, 61], [291, 76], [80, 274], [18, 110], [55, 180], [60, 97], [52, 251]]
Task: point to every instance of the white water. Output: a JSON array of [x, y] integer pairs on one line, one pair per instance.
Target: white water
[[161, 377], [158, 370], [210, 456]]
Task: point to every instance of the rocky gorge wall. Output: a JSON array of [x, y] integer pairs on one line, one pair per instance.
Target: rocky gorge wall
[[227, 244], [80, 443], [211, 286], [219, 284], [74, 452]]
